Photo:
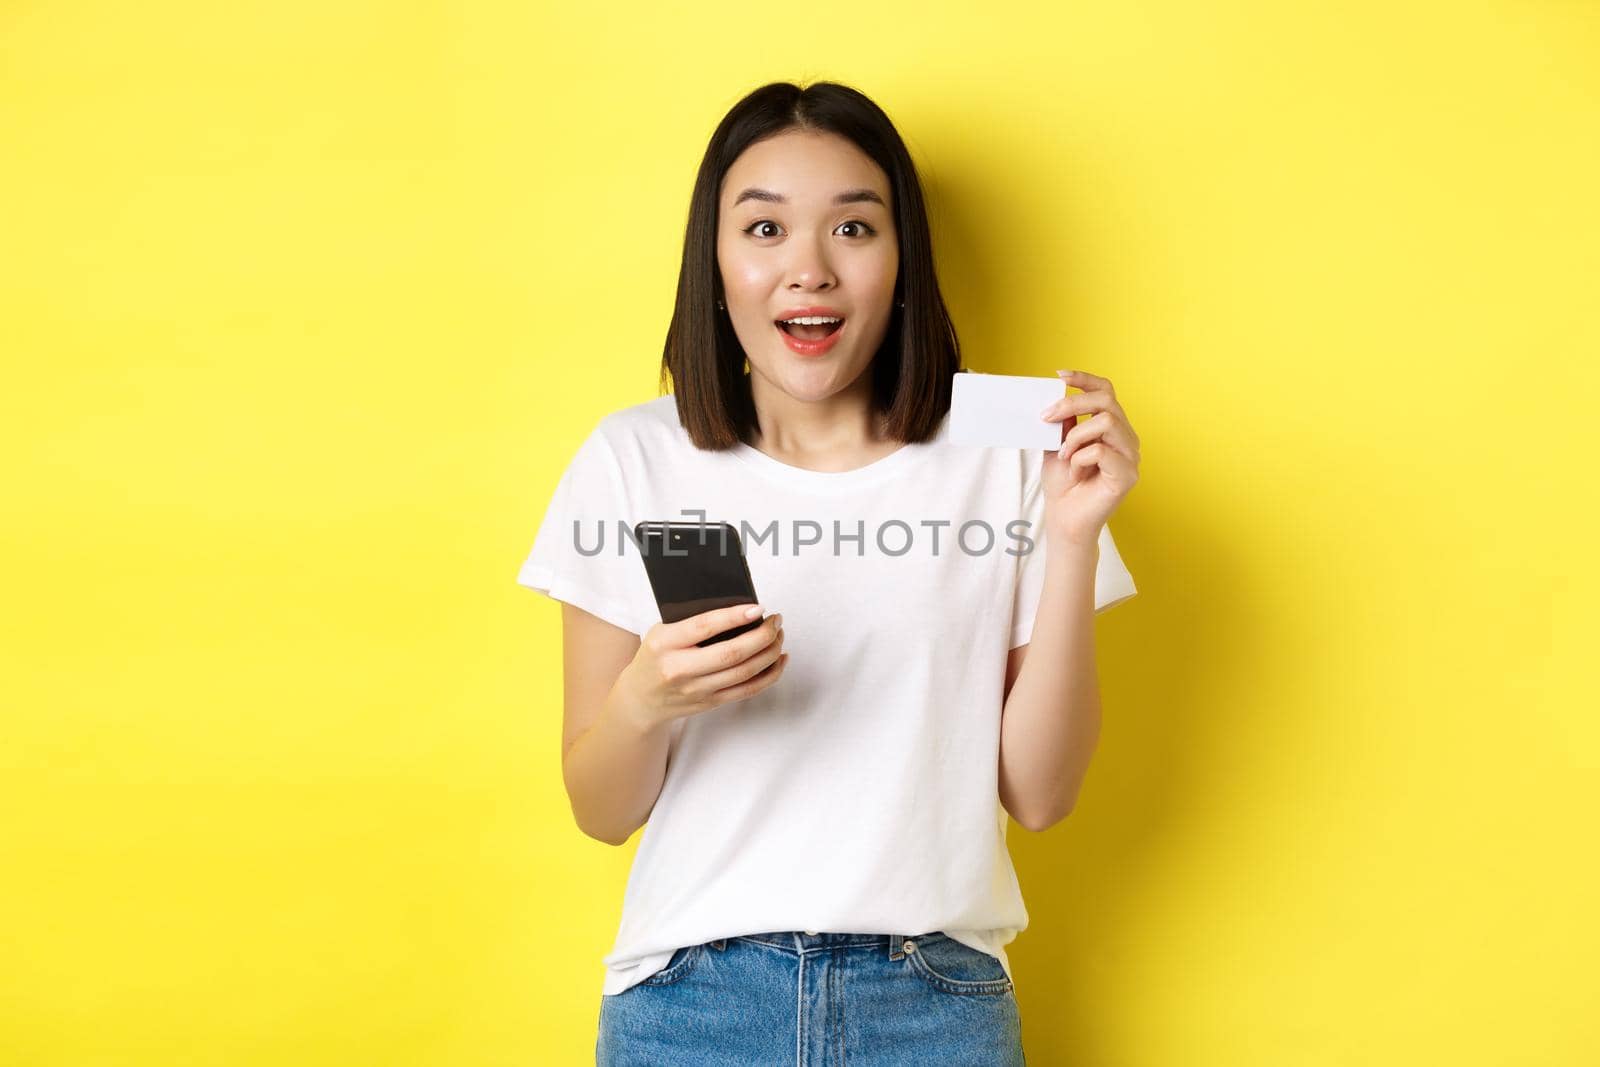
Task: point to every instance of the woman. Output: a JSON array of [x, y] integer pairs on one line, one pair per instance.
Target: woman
[[823, 870]]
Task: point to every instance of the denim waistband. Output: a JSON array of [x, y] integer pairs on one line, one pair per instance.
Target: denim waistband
[[800, 942]]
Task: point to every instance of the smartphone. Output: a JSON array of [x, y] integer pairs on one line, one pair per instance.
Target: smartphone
[[696, 567]]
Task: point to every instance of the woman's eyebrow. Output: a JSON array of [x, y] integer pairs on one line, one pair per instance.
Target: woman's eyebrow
[[849, 196]]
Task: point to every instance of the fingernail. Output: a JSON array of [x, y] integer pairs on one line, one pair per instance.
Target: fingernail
[[752, 611], [1066, 373], [1047, 410]]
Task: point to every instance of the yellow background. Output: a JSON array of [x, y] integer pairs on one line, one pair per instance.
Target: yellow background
[[305, 306]]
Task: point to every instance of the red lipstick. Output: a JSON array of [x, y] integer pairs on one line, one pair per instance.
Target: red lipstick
[[806, 347]]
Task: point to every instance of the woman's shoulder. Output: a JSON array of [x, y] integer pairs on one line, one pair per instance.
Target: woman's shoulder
[[650, 425]]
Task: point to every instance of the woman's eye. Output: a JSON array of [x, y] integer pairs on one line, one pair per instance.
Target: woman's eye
[[750, 229]]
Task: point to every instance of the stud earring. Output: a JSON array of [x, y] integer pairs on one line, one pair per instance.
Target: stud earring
[[719, 305]]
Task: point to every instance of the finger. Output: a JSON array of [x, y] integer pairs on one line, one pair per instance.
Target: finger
[[1086, 381], [739, 672], [696, 628], [1117, 469], [1109, 463], [1128, 452], [1064, 457], [1104, 427], [1080, 404], [1088, 430], [1067, 422], [754, 685], [735, 650], [1087, 458], [1120, 468]]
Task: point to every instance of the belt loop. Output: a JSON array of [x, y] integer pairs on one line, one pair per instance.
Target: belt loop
[[720, 943], [895, 951]]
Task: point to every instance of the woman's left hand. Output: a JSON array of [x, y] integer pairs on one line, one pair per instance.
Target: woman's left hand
[[1097, 464]]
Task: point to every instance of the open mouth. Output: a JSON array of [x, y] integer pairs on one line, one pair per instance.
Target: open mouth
[[810, 331]]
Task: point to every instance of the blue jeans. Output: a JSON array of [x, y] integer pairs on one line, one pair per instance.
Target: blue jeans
[[816, 1000]]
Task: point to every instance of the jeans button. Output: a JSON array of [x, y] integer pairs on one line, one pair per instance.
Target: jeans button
[[909, 946], [811, 933]]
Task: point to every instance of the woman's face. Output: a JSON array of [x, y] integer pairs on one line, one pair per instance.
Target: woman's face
[[807, 250]]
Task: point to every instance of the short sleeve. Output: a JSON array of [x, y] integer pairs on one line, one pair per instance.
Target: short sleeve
[[1112, 582], [578, 555]]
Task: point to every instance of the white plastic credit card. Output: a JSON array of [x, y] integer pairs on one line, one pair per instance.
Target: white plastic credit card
[[1002, 411]]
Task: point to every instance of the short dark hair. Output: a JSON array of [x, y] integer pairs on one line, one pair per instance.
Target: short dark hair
[[911, 371]]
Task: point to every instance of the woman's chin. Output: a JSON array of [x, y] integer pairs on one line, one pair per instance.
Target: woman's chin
[[808, 379]]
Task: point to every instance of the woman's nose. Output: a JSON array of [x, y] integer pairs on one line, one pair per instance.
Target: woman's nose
[[809, 268]]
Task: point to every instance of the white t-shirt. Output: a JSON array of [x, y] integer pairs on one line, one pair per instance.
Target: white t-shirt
[[860, 793]]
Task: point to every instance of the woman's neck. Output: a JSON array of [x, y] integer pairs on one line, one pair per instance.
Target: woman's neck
[[841, 433]]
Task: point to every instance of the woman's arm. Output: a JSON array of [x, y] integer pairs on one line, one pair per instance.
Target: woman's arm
[[613, 758], [1050, 721], [624, 692]]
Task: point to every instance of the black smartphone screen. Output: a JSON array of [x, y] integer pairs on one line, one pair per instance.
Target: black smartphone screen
[[694, 568]]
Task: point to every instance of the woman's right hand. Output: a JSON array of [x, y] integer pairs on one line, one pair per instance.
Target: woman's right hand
[[670, 678]]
